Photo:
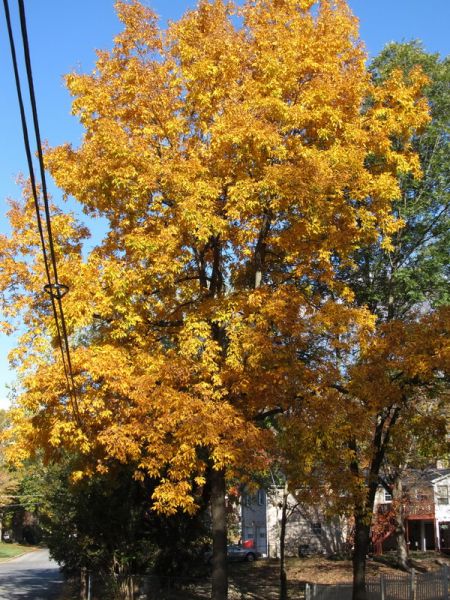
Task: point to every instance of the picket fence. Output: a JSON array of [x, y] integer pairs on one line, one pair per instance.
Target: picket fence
[[416, 586]]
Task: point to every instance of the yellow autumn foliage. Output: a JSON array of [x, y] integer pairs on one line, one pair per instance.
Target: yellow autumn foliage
[[237, 168]]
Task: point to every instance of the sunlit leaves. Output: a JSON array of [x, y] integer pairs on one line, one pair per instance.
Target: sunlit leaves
[[239, 158]]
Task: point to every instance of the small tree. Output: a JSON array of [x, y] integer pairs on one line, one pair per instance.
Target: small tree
[[104, 524]]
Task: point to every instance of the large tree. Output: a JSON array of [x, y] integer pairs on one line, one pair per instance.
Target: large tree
[[416, 273], [238, 164], [393, 389], [412, 277]]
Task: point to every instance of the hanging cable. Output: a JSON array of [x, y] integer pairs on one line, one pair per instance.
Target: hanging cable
[[54, 288]]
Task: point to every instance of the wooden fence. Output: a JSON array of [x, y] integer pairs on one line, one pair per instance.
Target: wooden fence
[[178, 588], [416, 586]]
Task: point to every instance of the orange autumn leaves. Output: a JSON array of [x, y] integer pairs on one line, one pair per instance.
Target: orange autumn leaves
[[237, 167]]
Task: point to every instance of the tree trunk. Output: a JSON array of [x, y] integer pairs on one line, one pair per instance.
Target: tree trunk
[[219, 536], [402, 547], [83, 584], [400, 537], [361, 547], [364, 509], [283, 576]]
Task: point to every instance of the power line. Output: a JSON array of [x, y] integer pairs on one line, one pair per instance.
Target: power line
[[54, 288]]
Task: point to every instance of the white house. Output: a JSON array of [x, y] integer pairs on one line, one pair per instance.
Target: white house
[[428, 511], [426, 507], [307, 531]]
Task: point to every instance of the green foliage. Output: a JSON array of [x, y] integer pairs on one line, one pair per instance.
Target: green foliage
[[98, 523], [181, 542], [105, 524], [416, 270]]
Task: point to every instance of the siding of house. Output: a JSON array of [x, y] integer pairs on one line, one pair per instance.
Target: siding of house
[[254, 520], [427, 509], [441, 490], [307, 530]]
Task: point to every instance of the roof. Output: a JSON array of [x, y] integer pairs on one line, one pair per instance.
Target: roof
[[426, 476]]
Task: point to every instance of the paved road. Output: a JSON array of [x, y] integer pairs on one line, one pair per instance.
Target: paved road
[[30, 577]]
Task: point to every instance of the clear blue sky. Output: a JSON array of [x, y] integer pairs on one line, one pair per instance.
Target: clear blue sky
[[63, 35]]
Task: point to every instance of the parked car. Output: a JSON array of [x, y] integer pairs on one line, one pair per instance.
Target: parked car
[[236, 553], [7, 537]]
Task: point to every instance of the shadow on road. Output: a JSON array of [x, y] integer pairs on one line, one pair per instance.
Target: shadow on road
[[31, 577]]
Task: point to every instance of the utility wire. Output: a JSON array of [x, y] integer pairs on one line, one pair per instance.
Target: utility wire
[[55, 289], [30, 167], [26, 49], [58, 288]]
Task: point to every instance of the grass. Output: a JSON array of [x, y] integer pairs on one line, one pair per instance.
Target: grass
[[11, 550]]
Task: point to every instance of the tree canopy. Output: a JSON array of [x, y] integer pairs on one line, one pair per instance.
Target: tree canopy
[[389, 394], [240, 158]]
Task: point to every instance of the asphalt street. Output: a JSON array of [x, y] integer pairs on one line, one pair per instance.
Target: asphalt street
[[30, 577]]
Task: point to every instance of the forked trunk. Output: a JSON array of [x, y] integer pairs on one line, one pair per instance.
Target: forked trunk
[[219, 575], [364, 509]]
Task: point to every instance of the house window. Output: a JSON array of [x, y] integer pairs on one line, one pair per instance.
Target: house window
[[247, 500], [316, 528], [260, 497], [442, 494], [387, 496]]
